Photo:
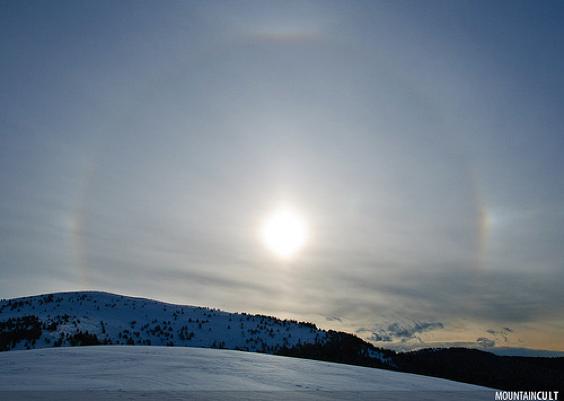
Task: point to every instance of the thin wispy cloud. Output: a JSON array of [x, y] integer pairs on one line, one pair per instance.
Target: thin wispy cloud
[[404, 332]]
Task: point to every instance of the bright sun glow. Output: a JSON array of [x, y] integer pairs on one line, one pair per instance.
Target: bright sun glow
[[284, 232]]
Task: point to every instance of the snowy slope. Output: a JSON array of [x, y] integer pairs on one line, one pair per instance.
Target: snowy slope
[[93, 318], [150, 373], [73, 318]]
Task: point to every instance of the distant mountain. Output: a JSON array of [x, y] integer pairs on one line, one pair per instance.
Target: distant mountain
[[512, 351], [475, 366], [98, 318]]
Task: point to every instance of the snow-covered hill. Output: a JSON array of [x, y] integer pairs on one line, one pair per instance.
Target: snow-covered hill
[[94, 318], [84, 318], [151, 373]]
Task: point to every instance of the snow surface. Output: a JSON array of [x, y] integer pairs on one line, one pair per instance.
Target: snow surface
[[151, 373]]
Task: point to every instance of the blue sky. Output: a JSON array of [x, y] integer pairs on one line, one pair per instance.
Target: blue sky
[[143, 143]]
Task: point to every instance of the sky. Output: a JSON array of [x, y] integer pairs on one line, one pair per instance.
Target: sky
[[143, 144]]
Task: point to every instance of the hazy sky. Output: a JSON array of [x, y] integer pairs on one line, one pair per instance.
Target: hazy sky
[[143, 143]]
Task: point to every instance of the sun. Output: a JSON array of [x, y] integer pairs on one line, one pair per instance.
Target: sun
[[284, 232]]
